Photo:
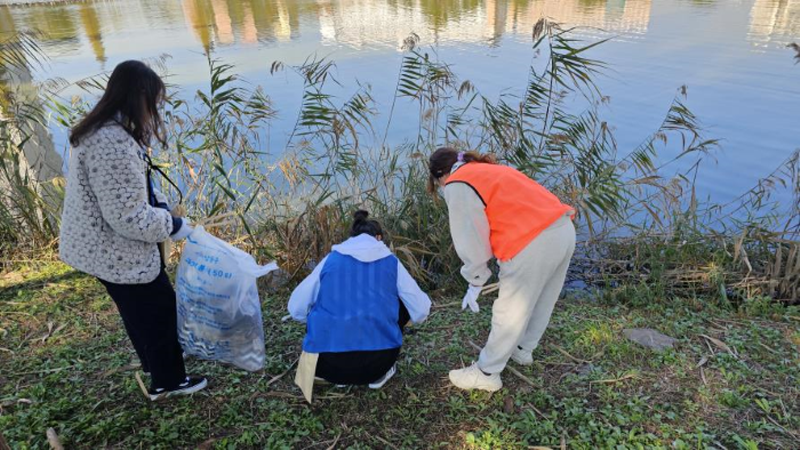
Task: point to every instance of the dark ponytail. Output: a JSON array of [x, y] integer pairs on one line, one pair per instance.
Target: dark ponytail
[[362, 224], [443, 160]]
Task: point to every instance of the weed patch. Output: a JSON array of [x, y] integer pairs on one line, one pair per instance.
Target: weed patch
[[67, 364]]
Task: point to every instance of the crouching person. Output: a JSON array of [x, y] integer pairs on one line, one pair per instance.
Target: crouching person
[[356, 304]]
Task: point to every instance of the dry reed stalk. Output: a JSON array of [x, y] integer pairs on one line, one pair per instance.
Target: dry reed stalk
[[215, 219], [513, 371], [629, 376], [143, 388], [385, 442], [277, 378], [221, 224], [490, 288], [335, 441], [767, 265], [3, 444]]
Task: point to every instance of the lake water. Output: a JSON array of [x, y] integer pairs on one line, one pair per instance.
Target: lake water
[[742, 80]]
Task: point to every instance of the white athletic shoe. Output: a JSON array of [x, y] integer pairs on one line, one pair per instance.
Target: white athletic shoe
[[522, 357], [472, 378], [382, 380]]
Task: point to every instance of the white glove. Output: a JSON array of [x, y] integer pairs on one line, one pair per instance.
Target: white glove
[[183, 232], [471, 298]]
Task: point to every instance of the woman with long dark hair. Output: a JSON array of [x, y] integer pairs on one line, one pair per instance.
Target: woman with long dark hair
[[498, 212], [114, 218]]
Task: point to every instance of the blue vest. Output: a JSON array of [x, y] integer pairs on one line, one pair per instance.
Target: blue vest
[[357, 307]]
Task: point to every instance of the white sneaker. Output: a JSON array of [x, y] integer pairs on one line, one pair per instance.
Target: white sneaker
[[522, 357], [472, 378], [382, 380]]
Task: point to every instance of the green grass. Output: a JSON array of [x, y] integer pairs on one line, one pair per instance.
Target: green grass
[[65, 363]]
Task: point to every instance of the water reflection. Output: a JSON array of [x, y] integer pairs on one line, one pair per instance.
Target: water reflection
[[225, 22], [356, 23], [91, 26], [199, 16], [775, 20], [6, 21], [349, 22]]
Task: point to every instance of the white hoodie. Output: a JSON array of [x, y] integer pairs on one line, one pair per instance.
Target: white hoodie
[[364, 248]]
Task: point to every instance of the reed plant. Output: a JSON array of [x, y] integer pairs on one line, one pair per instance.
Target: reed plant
[[28, 207], [639, 216]]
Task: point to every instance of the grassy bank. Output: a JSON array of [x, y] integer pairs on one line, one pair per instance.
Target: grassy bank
[[731, 381]]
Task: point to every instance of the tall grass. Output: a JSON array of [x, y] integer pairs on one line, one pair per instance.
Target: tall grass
[[28, 209], [639, 215]]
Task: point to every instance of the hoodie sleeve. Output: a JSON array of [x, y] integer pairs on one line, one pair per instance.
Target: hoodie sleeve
[[470, 230], [305, 294], [417, 302]]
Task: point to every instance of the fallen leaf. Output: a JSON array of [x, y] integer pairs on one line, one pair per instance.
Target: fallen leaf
[[721, 345], [207, 444], [614, 380], [508, 405]]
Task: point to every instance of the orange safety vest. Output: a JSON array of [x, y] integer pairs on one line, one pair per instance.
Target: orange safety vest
[[518, 208]]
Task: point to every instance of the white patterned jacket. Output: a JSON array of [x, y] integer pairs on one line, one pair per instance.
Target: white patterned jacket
[[108, 227]]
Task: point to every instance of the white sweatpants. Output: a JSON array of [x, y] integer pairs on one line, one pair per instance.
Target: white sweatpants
[[530, 284]]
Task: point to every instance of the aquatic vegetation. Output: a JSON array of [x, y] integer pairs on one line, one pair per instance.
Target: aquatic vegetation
[[637, 208], [27, 208]]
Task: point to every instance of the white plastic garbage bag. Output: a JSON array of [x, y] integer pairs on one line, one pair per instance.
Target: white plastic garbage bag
[[219, 312]]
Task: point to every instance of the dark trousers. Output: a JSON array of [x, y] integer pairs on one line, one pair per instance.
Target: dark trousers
[[362, 367], [150, 317]]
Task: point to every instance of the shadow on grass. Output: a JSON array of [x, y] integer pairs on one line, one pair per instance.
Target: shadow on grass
[[38, 283]]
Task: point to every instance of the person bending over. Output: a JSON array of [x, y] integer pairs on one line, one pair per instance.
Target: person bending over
[[498, 212]]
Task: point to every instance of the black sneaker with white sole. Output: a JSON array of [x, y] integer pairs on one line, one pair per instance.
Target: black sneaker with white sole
[[190, 386]]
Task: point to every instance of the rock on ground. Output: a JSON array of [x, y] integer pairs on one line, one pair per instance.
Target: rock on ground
[[649, 338]]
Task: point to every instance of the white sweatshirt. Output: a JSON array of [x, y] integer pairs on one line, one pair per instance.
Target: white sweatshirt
[[364, 248], [469, 228]]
